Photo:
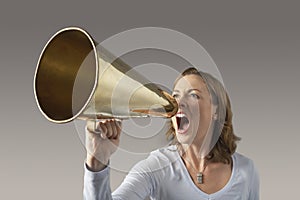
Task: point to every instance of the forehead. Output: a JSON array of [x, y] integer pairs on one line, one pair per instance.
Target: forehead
[[191, 81]]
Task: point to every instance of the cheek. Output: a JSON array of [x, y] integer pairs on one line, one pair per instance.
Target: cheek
[[205, 114], [205, 118], [201, 111]]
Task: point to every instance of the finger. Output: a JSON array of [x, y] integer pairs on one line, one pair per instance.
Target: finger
[[103, 129], [93, 127], [118, 127], [90, 126], [119, 124], [114, 129], [109, 129], [90, 133], [97, 127]]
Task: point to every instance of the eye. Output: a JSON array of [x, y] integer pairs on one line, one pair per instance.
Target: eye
[[175, 95], [195, 95]]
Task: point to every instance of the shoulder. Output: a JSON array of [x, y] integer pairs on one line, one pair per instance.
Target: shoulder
[[247, 173], [169, 152], [165, 155], [244, 165], [242, 160], [159, 159]]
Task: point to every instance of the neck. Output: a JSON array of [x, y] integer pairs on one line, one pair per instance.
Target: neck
[[191, 154]]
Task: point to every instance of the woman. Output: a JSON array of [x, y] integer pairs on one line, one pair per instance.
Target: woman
[[202, 162]]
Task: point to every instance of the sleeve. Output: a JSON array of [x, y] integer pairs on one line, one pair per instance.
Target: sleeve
[[137, 185], [96, 185], [254, 185]]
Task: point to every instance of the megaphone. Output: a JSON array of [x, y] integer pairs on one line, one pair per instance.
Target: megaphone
[[76, 78]]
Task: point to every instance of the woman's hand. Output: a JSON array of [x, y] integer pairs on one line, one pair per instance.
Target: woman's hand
[[102, 140]]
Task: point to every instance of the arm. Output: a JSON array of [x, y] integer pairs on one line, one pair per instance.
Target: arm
[[137, 184], [102, 140], [96, 185], [254, 185]]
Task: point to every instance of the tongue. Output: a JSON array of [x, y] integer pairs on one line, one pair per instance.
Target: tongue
[[182, 123]]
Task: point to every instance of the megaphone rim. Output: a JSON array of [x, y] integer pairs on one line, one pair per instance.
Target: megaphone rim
[[92, 42]]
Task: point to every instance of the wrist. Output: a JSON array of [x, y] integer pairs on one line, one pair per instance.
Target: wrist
[[93, 164]]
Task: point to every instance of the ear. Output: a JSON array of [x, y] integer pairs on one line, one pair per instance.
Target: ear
[[214, 112]]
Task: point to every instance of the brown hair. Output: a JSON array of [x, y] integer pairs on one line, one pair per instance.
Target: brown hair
[[226, 141]]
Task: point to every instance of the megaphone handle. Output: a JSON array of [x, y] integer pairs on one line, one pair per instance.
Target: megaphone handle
[[95, 121]]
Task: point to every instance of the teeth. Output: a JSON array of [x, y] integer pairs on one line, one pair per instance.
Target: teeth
[[180, 115]]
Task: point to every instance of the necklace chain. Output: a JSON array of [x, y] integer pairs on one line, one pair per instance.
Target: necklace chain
[[199, 174]]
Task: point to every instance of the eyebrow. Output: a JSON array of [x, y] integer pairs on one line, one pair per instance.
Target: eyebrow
[[190, 90]]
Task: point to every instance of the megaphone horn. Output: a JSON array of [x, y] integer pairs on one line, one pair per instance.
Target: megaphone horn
[[76, 78]]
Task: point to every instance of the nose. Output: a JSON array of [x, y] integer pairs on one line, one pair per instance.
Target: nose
[[181, 102]]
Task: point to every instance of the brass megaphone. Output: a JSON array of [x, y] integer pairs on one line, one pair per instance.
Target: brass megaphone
[[76, 78]]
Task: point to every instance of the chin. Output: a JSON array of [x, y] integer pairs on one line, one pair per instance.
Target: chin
[[186, 138]]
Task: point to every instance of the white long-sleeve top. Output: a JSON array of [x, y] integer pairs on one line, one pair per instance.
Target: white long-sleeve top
[[163, 176]]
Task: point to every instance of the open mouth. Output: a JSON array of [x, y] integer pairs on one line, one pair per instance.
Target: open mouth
[[182, 122]]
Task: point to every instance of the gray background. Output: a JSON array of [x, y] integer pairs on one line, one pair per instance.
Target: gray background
[[255, 46]]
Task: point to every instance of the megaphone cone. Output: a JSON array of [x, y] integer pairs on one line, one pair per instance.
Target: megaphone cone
[[75, 78]]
